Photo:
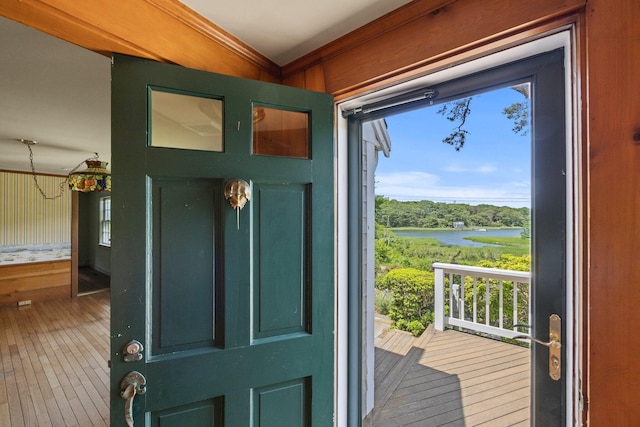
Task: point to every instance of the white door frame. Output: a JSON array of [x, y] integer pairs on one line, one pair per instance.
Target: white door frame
[[560, 38]]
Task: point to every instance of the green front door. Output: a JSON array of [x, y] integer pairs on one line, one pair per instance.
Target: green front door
[[233, 306]]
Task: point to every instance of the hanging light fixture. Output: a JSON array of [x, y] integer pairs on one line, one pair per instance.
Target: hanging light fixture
[[95, 177]]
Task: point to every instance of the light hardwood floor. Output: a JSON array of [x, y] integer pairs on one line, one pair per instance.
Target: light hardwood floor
[[449, 378], [53, 360]]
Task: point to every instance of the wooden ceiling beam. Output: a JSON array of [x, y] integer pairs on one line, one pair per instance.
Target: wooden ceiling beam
[[152, 29]]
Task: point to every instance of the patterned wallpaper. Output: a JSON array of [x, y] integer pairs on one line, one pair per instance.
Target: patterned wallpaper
[[26, 218]]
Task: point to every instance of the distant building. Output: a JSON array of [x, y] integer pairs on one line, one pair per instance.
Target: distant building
[[458, 224]]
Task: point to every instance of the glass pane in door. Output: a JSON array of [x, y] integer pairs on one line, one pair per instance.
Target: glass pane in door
[[280, 132], [185, 121]]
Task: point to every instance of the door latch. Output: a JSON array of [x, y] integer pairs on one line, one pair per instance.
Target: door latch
[[554, 345], [133, 383]]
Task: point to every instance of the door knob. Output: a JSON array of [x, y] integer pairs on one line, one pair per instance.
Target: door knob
[[554, 345], [133, 383]]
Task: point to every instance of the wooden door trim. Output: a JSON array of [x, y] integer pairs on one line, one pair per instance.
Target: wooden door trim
[[401, 46]]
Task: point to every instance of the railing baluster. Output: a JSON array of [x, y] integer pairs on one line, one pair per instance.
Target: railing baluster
[[487, 302], [461, 301], [515, 304], [475, 299], [450, 276], [501, 311]]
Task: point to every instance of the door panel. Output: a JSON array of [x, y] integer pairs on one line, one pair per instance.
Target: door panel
[[186, 232], [205, 414], [223, 300], [281, 285], [268, 405]]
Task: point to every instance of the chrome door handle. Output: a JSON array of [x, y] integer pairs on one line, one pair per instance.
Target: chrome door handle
[[133, 383], [554, 345]]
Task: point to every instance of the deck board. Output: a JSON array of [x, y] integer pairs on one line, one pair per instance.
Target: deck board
[[53, 359], [453, 379]]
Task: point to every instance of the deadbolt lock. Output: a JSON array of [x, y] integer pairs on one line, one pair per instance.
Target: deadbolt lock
[[133, 351]]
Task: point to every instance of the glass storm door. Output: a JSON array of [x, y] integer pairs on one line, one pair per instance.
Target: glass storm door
[[544, 78], [223, 276]]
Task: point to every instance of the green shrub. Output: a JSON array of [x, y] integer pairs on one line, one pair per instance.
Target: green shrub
[[416, 327], [411, 306]]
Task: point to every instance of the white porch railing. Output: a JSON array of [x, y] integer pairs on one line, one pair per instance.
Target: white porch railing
[[484, 311]]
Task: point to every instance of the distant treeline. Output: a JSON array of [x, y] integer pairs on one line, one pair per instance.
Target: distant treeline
[[428, 214]]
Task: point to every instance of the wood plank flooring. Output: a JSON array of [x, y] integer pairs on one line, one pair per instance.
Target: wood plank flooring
[[53, 360], [451, 378]]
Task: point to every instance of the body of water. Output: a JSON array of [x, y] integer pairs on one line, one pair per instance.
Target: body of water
[[457, 237]]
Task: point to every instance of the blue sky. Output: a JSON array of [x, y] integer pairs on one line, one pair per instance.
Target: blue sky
[[493, 167]]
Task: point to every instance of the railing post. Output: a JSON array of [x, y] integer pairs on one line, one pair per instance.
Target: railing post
[[438, 299]]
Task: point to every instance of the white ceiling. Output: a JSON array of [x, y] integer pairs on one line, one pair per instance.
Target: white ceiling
[[55, 93], [284, 30], [58, 94]]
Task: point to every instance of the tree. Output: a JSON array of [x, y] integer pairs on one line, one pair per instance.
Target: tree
[[428, 214], [519, 111], [459, 110]]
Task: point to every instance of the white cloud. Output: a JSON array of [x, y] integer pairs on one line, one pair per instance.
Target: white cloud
[[415, 178], [484, 169], [425, 186], [520, 184]]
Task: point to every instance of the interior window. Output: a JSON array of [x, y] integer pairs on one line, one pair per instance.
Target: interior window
[[105, 221]]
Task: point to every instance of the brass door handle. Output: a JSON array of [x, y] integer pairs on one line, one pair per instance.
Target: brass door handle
[[554, 345], [133, 383], [550, 344]]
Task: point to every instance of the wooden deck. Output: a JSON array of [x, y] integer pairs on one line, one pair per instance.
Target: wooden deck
[[53, 359], [449, 378]]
